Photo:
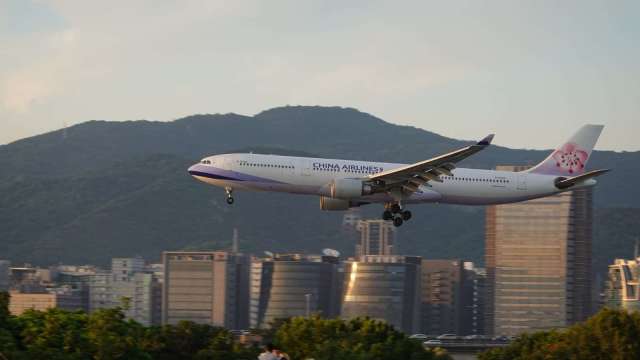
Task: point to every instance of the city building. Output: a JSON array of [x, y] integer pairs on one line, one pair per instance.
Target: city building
[[78, 278], [206, 287], [384, 287], [100, 295], [127, 285], [124, 268], [287, 285], [349, 233], [158, 276], [20, 302], [538, 260], [350, 219], [27, 279], [5, 265], [443, 298], [475, 295], [377, 237], [623, 285], [63, 298]]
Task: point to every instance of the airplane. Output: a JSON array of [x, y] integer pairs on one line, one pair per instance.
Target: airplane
[[344, 184]]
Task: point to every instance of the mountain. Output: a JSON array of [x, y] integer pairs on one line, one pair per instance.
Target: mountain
[[101, 189]]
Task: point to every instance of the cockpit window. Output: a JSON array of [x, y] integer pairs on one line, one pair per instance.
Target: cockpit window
[[205, 162]]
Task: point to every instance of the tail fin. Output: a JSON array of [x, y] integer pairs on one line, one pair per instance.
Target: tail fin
[[571, 158]]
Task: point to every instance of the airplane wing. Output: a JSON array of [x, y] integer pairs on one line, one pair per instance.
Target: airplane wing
[[410, 177]]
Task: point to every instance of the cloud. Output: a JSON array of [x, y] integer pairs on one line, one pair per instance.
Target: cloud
[[39, 77]]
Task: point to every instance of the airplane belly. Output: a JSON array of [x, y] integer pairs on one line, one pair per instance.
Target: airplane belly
[[422, 196], [225, 183]]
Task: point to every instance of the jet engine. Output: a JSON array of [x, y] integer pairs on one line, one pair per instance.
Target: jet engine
[[349, 188]]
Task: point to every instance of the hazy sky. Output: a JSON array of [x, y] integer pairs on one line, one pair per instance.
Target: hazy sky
[[530, 71]]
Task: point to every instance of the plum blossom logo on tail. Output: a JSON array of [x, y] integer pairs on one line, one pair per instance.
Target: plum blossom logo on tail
[[570, 158]]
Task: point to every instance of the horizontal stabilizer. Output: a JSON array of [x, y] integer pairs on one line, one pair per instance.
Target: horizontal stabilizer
[[565, 183]]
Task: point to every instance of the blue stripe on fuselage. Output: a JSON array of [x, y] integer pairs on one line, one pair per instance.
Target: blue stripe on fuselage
[[212, 172], [212, 176]]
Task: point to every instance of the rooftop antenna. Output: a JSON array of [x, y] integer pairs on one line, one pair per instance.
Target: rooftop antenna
[[235, 241], [636, 250]]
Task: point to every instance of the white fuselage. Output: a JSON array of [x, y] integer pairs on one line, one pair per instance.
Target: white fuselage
[[313, 176]]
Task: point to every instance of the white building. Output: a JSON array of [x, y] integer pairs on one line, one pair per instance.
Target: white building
[[129, 286]]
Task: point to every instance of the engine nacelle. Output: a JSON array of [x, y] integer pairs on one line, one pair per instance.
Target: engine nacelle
[[349, 188]]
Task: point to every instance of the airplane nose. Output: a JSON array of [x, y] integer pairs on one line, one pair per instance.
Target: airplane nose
[[191, 169]]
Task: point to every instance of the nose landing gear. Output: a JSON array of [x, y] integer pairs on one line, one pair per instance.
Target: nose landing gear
[[395, 213], [229, 192]]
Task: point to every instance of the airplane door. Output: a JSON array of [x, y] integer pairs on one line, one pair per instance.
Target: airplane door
[[227, 164], [522, 181], [305, 168]]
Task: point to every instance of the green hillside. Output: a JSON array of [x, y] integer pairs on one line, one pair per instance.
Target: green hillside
[[103, 189]]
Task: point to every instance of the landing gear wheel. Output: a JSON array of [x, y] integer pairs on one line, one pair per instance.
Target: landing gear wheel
[[395, 208], [387, 215], [397, 221], [229, 192], [406, 215]]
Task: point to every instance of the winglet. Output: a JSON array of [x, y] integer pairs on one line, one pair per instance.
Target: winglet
[[486, 141]]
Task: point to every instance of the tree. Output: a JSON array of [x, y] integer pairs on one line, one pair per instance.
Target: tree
[[360, 338], [4, 308], [53, 334], [112, 337], [610, 334]]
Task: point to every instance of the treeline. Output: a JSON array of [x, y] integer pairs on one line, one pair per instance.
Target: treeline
[[103, 335], [610, 334]]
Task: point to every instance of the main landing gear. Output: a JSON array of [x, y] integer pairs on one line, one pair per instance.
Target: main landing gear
[[395, 213], [229, 192]]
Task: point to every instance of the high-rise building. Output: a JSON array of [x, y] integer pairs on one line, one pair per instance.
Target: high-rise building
[[538, 259], [377, 237], [287, 285], [124, 268], [158, 275], [384, 287], [77, 278], [475, 299], [623, 285], [443, 300], [207, 287], [5, 265], [127, 285], [100, 295], [79, 281], [349, 233]]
